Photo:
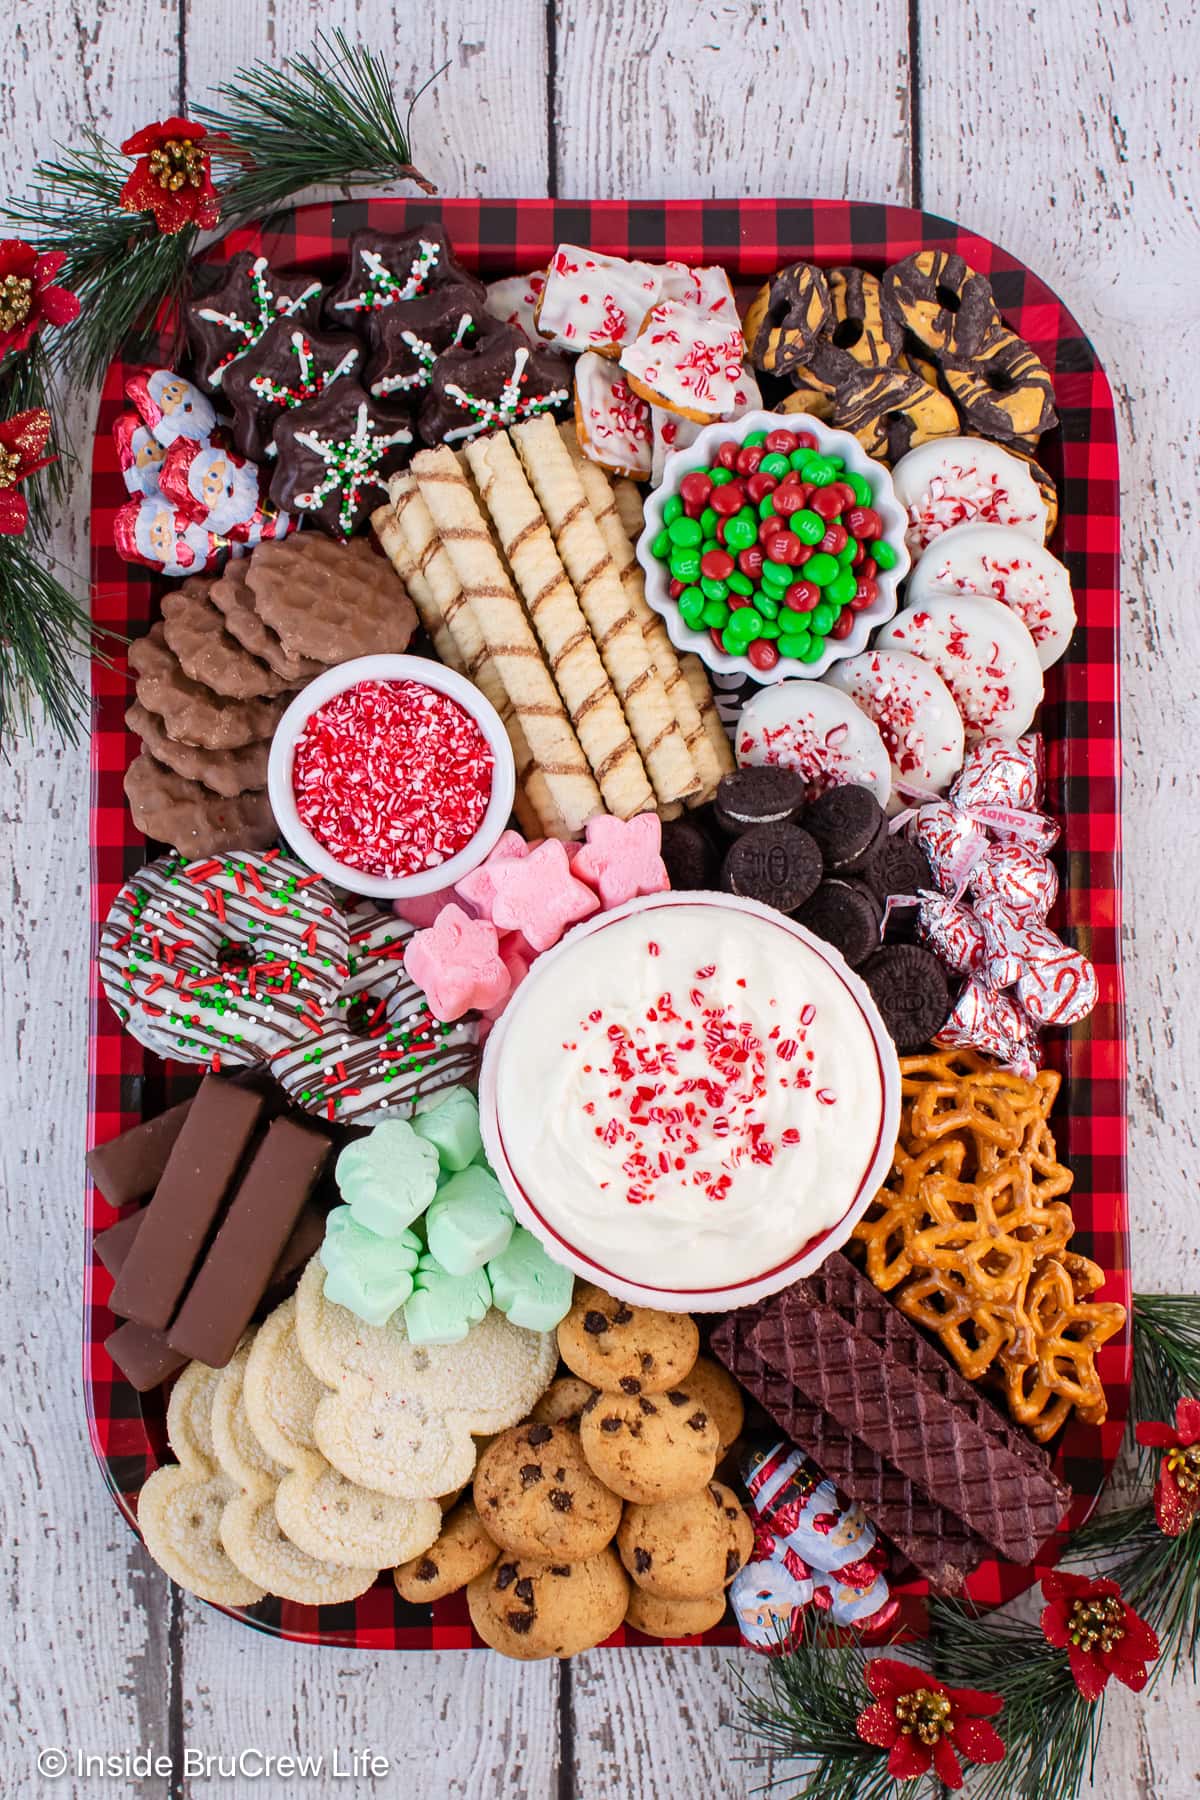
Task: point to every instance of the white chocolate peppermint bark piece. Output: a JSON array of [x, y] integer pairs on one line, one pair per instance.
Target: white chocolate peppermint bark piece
[[595, 302], [914, 710], [686, 361], [817, 730], [708, 288], [964, 481], [983, 653], [997, 562], [612, 423], [514, 300], [670, 431]]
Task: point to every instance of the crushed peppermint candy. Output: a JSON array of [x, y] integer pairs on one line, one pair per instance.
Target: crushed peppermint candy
[[392, 777]]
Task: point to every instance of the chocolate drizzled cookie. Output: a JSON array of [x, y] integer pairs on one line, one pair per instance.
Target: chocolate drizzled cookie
[[234, 315], [289, 365]]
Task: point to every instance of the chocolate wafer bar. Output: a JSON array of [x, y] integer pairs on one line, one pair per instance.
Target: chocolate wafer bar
[[143, 1356], [940, 1546], [130, 1166]]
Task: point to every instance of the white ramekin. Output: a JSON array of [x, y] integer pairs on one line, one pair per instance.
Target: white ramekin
[[389, 668], [699, 453], [798, 1262]]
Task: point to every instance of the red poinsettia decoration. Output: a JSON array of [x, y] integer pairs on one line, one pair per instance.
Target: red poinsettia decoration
[[172, 177], [1101, 1634], [924, 1725], [23, 441], [28, 295], [1177, 1491]]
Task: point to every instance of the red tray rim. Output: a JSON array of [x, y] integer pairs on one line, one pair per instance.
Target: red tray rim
[[755, 236]]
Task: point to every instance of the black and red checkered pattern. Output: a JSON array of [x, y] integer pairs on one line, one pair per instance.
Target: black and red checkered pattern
[[1080, 721]]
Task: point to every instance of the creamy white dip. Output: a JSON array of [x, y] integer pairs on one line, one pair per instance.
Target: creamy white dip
[[688, 1094]]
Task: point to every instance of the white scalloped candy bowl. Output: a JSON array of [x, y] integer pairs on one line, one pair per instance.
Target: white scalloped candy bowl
[[829, 442]]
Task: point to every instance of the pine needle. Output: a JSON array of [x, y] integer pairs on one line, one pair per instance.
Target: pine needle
[[43, 633], [328, 118]]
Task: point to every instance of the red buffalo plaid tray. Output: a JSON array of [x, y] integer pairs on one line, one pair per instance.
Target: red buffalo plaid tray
[[1079, 720]]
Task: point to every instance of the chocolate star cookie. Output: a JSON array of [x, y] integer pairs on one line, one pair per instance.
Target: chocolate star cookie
[[289, 365], [229, 320], [386, 267], [335, 454], [498, 381], [412, 334]]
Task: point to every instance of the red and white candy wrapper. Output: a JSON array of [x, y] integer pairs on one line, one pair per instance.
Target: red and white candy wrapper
[[148, 530], [1014, 873], [215, 487], [952, 932], [171, 406], [139, 453], [988, 841]]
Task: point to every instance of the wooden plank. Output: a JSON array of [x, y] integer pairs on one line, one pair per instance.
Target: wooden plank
[[88, 1617], [706, 97], [480, 129]]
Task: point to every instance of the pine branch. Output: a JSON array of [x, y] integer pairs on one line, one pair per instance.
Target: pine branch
[[1166, 1356], [331, 118], [43, 633], [122, 268]]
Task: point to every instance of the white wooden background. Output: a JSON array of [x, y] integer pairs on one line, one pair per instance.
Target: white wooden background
[[1064, 129]]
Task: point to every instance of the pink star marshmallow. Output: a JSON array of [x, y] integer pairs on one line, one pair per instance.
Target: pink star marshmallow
[[457, 964], [538, 896], [478, 888], [622, 859]]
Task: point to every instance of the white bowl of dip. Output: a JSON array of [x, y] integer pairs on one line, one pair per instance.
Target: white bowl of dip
[[690, 1101]]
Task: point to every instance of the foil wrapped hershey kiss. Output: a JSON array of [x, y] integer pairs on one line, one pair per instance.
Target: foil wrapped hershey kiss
[[986, 845]]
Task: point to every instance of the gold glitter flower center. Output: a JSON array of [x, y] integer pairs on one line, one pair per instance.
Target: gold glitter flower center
[[16, 301], [177, 163], [924, 1715], [10, 466], [1097, 1624], [1184, 1465]]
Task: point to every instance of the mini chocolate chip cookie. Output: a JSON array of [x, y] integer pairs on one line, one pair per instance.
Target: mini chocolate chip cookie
[[461, 1551], [649, 1448], [563, 1400], [721, 1397], [529, 1609], [626, 1349], [684, 1549], [538, 1497], [659, 1618]]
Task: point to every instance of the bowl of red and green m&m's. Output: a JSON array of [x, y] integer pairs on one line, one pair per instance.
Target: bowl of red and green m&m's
[[773, 546]]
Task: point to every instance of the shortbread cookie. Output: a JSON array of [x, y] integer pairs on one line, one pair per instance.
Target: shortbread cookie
[[180, 1506], [564, 1399], [168, 808], [233, 596], [226, 772], [626, 1349], [684, 1549], [329, 602], [332, 1519], [195, 630], [461, 1551], [191, 712], [659, 1618], [649, 1449], [538, 1497], [529, 1609], [401, 1416]]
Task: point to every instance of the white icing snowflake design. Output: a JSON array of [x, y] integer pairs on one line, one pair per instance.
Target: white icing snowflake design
[[425, 355], [381, 288], [509, 409], [349, 465], [268, 306], [309, 381]]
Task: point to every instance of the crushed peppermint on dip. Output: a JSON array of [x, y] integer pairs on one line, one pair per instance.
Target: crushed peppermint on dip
[[392, 777]]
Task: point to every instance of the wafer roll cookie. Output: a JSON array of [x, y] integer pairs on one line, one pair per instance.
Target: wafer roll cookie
[[535, 810], [602, 598], [601, 499], [554, 611], [630, 509], [697, 680], [386, 527], [508, 635]]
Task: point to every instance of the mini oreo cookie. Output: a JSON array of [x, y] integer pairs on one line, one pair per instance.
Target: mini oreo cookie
[[777, 864], [849, 825], [771, 795], [847, 915], [899, 867], [908, 985], [690, 855]]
